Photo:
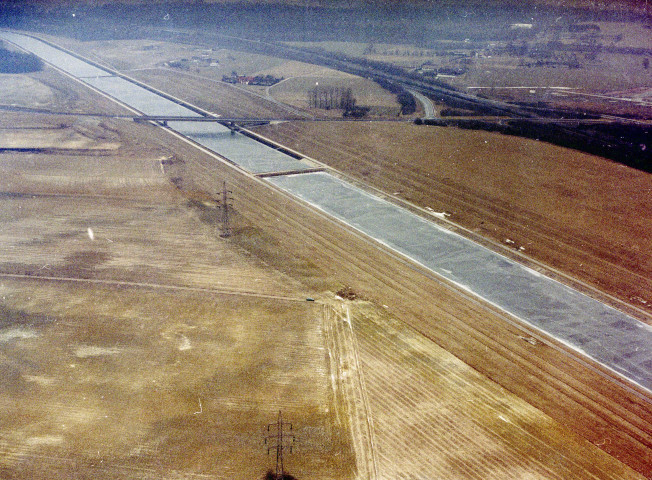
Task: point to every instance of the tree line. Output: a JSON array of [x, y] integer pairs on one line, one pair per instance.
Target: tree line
[[329, 97]]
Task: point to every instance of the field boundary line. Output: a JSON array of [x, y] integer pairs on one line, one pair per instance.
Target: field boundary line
[[363, 393], [349, 388], [152, 286]]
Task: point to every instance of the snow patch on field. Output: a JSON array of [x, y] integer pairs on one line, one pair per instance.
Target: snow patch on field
[[39, 379], [45, 440], [16, 333], [441, 215], [185, 343], [86, 351]]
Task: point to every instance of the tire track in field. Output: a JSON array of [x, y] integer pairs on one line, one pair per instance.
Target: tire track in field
[[148, 285], [420, 408], [593, 402]]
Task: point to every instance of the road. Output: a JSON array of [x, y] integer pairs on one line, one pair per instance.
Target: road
[[428, 106]]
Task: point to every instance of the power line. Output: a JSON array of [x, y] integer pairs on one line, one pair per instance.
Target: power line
[[279, 441], [225, 205]]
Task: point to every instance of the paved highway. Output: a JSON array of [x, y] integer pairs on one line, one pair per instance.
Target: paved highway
[[428, 106]]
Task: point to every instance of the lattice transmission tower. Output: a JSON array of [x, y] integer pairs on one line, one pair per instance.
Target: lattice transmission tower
[[279, 441], [225, 205]]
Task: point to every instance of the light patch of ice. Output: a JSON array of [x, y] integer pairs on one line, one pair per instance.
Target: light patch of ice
[[91, 235], [45, 440], [531, 271], [41, 380], [445, 230], [438, 214], [86, 351], [464, 287], [17, 333], [185, 343]]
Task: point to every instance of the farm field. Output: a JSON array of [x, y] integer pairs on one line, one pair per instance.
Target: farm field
[[38, 90], [145, 60], [114, 380], [216, 96], [223, 326], [425, 402], [143, 54], [326, 257], [294, 91], [306, 244], [134, 341], [536, 199]]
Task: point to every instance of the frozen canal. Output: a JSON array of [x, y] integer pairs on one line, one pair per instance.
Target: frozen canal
[[609, 336]]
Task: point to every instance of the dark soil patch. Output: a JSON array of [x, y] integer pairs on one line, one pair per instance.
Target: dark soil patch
[[347, 293], [11, 318], [18, 62], [87, 259]]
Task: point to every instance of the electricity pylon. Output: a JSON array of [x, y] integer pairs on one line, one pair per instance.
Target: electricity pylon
[[224, 206], [279, 441]]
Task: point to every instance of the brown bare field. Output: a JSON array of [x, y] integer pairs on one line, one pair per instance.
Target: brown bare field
[[301, 242], [13, 88], [215, 96], [577, 213], [295, 91], [144, 60], [134, 341], [112, 381], [40, 90], [426, 403], [138, 54], [296, 249], [292, 68]]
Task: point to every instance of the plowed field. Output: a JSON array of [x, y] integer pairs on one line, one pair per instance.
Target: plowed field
[[453, 423]]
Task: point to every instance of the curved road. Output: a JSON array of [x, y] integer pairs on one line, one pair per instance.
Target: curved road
[[428, 106]]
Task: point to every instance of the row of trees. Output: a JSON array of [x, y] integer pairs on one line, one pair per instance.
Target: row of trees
[[624, 143], [329, 97]]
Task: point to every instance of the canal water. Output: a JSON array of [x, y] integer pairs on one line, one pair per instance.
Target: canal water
[[610, 337]]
